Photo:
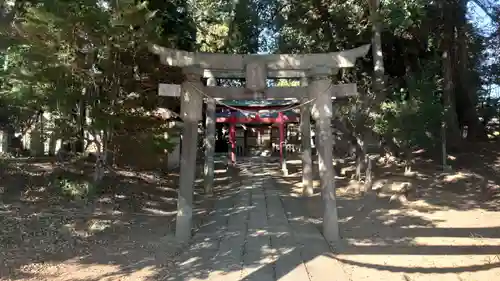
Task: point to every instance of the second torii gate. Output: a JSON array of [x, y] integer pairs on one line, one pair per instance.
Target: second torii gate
[[263, 112], [315, 72]]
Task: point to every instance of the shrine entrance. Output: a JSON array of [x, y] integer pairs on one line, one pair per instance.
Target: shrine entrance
[[257, 127], [313, 98]]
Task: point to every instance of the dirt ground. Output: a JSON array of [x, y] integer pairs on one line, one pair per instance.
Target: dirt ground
[[124, 234], [448, 230]]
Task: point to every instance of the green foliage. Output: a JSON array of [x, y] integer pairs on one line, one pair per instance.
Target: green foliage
[[88, 64], [412, 33], [74, 190], [87, 58], [401, 15], [492, 68], [412, 118], [227, 26]]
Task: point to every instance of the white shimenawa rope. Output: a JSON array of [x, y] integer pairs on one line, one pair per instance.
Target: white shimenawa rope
[[250, 112]]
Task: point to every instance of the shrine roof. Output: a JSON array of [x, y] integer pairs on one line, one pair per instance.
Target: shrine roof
[[258, 103], [239, 114]]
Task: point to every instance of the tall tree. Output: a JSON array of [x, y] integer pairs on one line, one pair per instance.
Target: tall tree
[[90, 57]]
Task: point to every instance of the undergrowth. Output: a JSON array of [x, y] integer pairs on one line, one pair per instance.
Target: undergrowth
[[75, 190]]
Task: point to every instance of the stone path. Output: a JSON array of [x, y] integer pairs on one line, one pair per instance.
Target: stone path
[[258, 232]]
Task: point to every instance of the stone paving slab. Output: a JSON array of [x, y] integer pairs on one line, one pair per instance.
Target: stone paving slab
[[258, 234], [289, 267]]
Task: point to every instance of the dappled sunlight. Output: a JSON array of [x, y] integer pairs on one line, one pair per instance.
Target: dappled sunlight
[[158, 212], [440, 233], [260, 225], [456, 177], [222, 179], [364, 266], [253, 236], [120, 235], [86, 272], [411, 241]]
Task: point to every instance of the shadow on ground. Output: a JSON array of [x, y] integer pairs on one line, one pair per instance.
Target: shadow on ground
[[370, 226], [127, 225], [137, 240]]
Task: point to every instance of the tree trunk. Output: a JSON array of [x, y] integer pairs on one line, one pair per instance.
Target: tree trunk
[[378, 57], [357, 143], [362, 158], [101, 156], [465, 95], [450, 132]]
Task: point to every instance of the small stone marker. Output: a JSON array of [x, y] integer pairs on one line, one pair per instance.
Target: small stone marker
[[169, 90]]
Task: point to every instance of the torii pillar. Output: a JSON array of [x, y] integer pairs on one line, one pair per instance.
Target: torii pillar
[[282, 144], [305, 131], [322, 112], [232, 141], [191, 114], [210, 140]]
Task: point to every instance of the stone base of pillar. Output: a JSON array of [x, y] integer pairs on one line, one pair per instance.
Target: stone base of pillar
[[284, 168], [230, 166], [4, 141], [285, 171], [307, 190]]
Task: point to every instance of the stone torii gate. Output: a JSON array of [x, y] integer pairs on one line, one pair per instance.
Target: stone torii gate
[[315, 72]]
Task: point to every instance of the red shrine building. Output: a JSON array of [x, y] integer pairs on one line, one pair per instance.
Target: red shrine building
[[257, 127]]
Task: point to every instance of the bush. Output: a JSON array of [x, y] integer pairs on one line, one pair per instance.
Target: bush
[[75, 190], [412, 118]]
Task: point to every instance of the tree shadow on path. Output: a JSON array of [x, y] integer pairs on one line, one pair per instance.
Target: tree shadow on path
[[370, 227]]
